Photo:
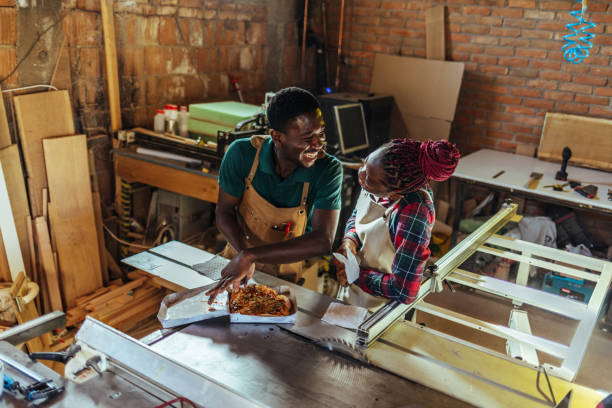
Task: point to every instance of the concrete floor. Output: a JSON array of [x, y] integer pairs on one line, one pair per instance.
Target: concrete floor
[[594, 371]]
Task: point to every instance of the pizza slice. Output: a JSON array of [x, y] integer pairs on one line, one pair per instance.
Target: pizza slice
[[259, 300]]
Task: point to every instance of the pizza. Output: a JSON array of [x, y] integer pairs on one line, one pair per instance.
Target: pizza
[[259, 300]]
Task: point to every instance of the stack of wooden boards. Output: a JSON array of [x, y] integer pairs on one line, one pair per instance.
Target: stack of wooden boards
[[51, 229]]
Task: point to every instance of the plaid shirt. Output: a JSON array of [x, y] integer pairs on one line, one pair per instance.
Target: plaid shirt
[[410, 225]]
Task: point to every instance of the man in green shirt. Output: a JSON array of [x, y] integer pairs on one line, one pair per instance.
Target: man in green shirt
[[279, 196]]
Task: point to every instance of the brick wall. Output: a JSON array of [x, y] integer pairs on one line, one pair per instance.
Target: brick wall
[[514, 67], [169, 51]]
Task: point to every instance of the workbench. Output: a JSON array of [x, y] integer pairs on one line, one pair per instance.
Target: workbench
[[481, 167], [166, 174]]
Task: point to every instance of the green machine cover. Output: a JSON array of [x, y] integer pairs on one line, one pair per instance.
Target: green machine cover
[[206, 118]]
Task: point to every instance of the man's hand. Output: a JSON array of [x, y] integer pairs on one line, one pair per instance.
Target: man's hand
[[347, 245], [237, 272]]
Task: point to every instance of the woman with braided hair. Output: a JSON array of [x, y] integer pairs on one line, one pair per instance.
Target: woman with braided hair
[[391, 224]]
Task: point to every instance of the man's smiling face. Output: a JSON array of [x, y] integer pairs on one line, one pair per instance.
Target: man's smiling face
[[303, 139]]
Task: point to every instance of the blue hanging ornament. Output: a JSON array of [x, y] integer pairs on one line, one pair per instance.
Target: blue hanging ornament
[[577, 47]]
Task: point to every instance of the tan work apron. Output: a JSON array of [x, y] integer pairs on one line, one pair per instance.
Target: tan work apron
[[263, 223], [377, 250]]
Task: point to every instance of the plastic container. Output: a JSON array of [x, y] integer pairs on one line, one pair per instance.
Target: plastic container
[[183, 122], [171, 115], [159, 121]]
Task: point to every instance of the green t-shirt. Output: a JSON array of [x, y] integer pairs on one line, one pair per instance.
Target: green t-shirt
[[325, 178]]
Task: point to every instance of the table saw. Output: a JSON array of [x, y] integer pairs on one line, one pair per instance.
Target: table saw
[[387, 362]]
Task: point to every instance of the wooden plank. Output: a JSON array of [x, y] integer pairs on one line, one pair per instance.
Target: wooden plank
[[167, 178], [434, 33], [112, 73], [72, 220], [48, 263], [28, 312], [5, 134], [18, 197], [9, 231], [62, 77], [34, 266], [98, 216], [588, 138], [39, 116], [5, 271]]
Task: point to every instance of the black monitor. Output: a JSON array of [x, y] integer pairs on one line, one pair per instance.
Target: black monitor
[[351, 125]]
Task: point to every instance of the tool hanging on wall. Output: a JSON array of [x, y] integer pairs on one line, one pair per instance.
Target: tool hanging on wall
[[577, 47], [234, 80]]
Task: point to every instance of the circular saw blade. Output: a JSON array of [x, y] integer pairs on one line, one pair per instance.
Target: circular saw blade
[[343, 347]]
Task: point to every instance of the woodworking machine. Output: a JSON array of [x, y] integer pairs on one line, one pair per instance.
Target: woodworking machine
[[388, 362]]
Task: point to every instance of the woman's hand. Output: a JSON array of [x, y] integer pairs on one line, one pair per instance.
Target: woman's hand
[[346, 246], [236, 273]]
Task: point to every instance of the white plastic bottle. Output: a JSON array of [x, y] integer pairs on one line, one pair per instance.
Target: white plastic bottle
[[171, 113], [183, 122], [159, 121]]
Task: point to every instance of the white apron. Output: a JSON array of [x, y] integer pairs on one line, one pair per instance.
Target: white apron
[[377, 250]]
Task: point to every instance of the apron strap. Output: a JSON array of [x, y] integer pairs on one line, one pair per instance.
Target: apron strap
[[256, 141], [390, 209], [304, 198]]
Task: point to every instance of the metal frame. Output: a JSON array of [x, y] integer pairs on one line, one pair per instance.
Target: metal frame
[[518, 336]]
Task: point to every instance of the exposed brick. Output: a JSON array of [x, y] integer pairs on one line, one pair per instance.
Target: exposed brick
[[521, 23], [572, 107], [190, 3], [543, 84], [545, 64], [89, 62], [167, 31], [540, 15], [7, 64], [480, 11], [511, 80], [592, 100], [506, 32], [538, 103], [519, 110], [476, 49], [495, 134], [603, 91], [589, 80], [8, 29], [530, 53], [493, 69], [505, 12], [7, 3], [476, 29], [484, 59], [494, 88], [585, 89], [514, 62], [605, 112], [393, 5], [489, 20], [525, 92], [513, 128], [514, 42], [504, 145], [547, 35], [556, 76], [524, 4], [456, 37], [157, 60], [500, 51], [485, 39], [524, 72], [510, 100], [551, 26], [559, 96], [556, 5]]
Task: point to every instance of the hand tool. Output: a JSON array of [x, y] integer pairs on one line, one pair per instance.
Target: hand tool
[[562, 174], [499, 173], [41, 389], [534, 180], [557, 187], [589, 191], [610, 194]]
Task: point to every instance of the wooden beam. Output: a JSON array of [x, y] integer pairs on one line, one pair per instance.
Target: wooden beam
[[112, 74], [18, 197], [5, 134], [73, 220], [434, 33], [48, 263], [41, 115]]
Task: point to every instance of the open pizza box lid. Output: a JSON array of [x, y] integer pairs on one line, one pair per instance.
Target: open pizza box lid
[[192, 306]]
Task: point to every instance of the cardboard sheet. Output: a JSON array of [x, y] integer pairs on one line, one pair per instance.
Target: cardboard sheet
[[426, 89]]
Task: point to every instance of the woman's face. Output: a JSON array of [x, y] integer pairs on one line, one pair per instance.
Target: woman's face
[[372, 176]]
